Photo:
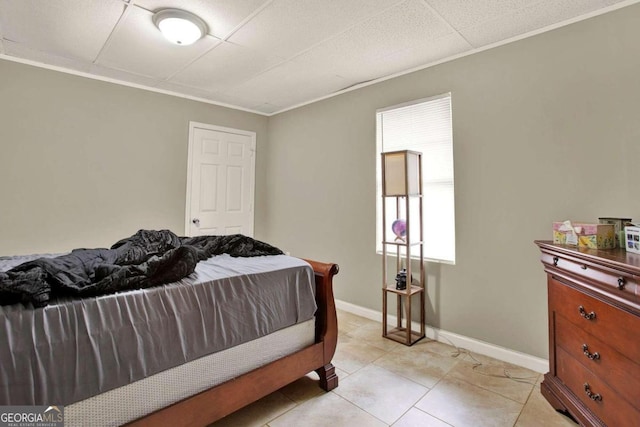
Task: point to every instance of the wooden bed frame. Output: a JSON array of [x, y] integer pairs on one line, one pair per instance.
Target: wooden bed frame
[[217, 402]]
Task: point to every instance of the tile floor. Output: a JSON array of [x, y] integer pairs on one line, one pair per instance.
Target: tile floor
[[383, 383]]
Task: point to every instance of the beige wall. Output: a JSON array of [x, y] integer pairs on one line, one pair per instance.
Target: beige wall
[[545, 129], [85, 162]]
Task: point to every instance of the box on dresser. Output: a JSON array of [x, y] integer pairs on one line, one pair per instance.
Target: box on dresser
[[582, 234], [618, 224], [594, 334]]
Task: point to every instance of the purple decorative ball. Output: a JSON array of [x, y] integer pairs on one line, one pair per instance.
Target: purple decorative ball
[[399, 228]]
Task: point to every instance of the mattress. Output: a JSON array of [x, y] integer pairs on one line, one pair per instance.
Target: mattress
[[71, 350], [124, 404]]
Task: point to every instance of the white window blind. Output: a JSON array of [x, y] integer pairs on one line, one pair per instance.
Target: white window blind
[[423, 126]]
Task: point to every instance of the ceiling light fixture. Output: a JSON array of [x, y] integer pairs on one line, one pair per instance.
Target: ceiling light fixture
[[179, 27]]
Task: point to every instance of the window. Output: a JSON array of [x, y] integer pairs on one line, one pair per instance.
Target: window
[[425, 126]]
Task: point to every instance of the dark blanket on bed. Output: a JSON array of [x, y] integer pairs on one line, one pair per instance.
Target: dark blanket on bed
[[148, 258]]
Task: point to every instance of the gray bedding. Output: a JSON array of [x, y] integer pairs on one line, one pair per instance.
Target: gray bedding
[[75, 349]]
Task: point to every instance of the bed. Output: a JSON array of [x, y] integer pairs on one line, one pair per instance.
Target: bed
[[206, 378]]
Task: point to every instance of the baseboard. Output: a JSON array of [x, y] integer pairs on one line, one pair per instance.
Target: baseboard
[[534, 363]]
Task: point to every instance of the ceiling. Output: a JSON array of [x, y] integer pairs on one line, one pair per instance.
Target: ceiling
[[267, 56]]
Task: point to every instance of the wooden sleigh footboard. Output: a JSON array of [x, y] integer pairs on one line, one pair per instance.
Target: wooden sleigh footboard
[[217, 402]]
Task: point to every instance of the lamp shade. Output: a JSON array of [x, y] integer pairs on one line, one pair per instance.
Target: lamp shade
[[401, 173], [179, 27]]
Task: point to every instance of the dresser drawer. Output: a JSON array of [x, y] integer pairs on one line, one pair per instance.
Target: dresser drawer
[[620, 373], [616, 282], [609, 324], [604, 402]]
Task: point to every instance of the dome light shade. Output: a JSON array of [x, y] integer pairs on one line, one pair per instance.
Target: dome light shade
[[179, 27]]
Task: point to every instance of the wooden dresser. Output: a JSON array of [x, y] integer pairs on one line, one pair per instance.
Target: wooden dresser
[[594, 334]]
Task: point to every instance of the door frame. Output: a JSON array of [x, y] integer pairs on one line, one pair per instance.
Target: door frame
[[252, 181]]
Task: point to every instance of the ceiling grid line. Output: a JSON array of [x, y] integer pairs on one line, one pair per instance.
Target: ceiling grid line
[[354, 25], [221, 40], [116, 28], [445, 22], [300, 53], [248, 19], [188, 64]]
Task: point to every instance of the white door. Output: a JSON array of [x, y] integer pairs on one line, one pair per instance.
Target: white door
[[220, 181]]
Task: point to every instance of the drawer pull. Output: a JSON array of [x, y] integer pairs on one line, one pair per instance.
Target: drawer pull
[[588, 316], [555, 261], [593, 396], [586, 352], [621, 283], [583, 266]]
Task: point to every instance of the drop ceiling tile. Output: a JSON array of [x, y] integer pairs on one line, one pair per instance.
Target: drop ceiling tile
[[417, 56], [309, 90], [403, 37], [534, 17], [225, 66], [137, 46], [74, 29], [185, 90], [465, 13], [20, 50], [287, 27], [221, 16], [287, 84], [122, 75]]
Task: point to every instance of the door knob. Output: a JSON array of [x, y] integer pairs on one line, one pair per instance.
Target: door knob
[[196, 221]]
